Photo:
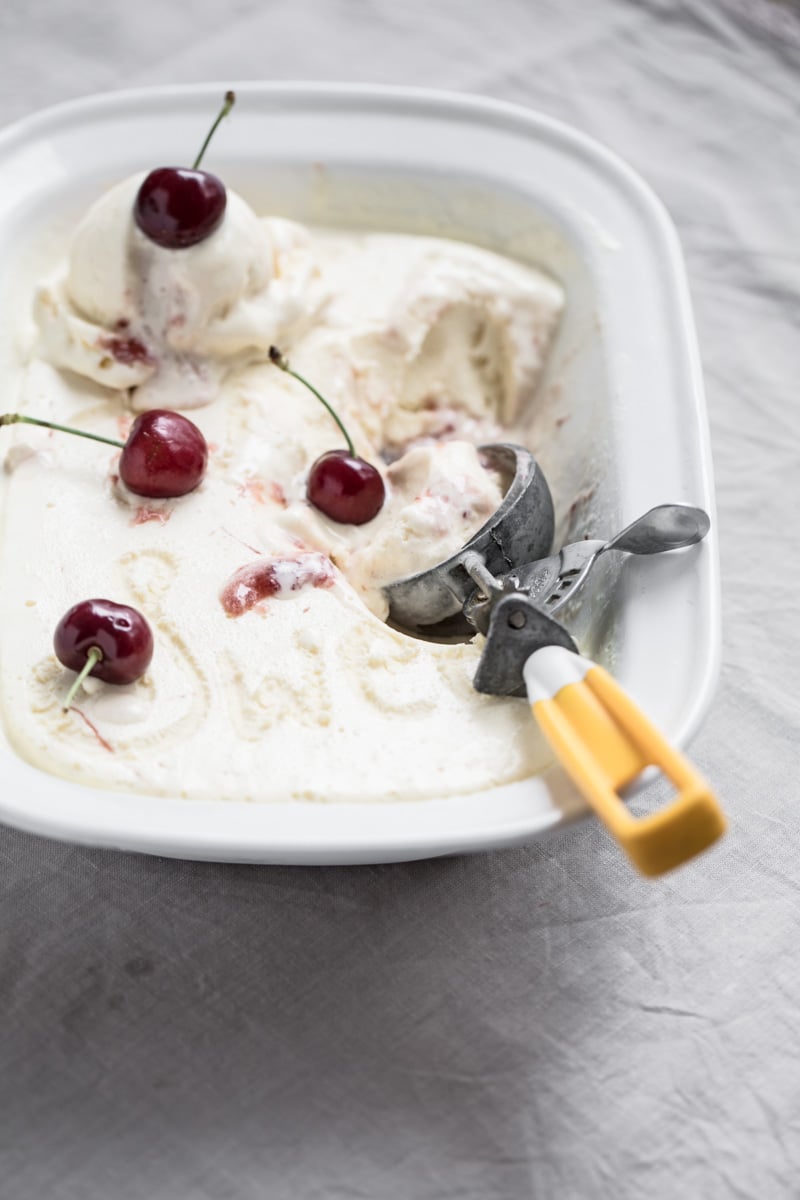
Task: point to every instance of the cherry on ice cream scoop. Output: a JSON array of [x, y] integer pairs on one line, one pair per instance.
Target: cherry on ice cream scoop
[[177, 207]]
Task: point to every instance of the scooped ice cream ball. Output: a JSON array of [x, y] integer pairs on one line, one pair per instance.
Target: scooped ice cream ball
[[128, 313], [116, 274]]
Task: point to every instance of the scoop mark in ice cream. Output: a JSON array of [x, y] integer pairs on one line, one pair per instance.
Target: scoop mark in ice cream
[[274, 577]]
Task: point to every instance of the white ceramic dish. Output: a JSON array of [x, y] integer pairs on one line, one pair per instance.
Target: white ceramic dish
[[625, 372]]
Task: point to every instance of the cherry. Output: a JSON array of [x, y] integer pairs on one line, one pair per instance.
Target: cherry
[[165, 454], [340, 484], [177, 207], [110, 641], [346, 488]]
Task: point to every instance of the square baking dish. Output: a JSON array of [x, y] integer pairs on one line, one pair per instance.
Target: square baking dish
[[620, 426]]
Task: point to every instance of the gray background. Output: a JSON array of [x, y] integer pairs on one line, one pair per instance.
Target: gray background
[[532, 1023]]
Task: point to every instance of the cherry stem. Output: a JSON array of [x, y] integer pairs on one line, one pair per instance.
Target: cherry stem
[[279, 360], [18, 418], [230, 100], [92, 659]]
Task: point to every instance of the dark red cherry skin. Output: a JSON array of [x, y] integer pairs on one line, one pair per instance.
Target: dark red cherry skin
[[120, 633], [165, 455], [177, 207], [347, 489]]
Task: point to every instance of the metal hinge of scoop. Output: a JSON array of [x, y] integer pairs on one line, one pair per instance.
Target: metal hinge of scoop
[[514, 626]]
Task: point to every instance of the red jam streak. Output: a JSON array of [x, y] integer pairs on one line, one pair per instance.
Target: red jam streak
[[145, 514], [277, 494], [254, 489], [127, 350], [273, 577], [258, 491], [106, 745]]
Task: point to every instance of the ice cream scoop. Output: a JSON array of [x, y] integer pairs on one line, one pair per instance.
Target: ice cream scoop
[[599, 735]]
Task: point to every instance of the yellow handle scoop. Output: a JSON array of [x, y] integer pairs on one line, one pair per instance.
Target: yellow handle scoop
[[604, 741]]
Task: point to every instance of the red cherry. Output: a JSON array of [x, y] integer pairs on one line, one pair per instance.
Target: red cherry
[[346, 488], [119, 633], [177, 207], [165, 455]]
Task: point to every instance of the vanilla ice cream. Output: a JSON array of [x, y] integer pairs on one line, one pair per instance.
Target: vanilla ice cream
[[127, 313], [274, 674]]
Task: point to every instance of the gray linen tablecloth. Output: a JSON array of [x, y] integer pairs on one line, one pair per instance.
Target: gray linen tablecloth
[[530, 1023]]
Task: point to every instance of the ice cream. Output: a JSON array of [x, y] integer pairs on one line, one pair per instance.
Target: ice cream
[[127, 313], [274, 674]]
